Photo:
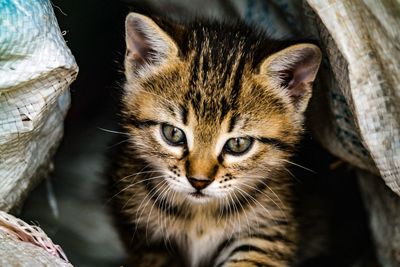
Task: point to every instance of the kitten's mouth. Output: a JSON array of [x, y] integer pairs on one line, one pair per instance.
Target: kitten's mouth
[[198, 194]]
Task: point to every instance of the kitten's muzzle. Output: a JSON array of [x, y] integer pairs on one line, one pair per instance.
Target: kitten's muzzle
[[199, 184]]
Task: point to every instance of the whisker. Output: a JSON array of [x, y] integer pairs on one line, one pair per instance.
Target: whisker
[[157, 189], [236, 213], [291, 174], [138, 173], [276, 195], [132, 185], [167, 195], [265, 194], [153, 205], [244, 210], [268, 187], [119, 143], [112, 131], [152, 192], [256, 202], [298, 165], [221, 206], [251, 206], [172, 198]]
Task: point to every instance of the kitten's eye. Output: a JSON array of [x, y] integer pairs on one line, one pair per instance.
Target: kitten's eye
[[238, 145], [174, 136]]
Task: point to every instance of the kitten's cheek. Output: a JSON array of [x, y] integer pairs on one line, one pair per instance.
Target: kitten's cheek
[[232, 159], [217, 190], [179, 185]]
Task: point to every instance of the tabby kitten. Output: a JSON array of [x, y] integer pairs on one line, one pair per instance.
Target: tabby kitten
[[212, 112]]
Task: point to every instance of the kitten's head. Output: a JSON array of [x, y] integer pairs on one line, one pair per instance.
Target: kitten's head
[[216, 109]]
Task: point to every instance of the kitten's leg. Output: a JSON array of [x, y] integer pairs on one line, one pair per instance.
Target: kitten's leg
[[261, 249], [251, 256], [142, 253], [149, 258]]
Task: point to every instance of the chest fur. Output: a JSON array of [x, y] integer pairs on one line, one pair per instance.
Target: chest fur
[[201, 243], [197, 239]]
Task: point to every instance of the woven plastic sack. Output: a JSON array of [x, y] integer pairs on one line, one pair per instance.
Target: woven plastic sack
[[22, 244], [36, 68], [361, 39]]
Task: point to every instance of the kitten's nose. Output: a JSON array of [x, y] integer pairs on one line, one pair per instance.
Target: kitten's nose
[[199, 183]]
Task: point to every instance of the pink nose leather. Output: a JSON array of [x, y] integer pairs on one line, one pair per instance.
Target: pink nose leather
[[199, 184]]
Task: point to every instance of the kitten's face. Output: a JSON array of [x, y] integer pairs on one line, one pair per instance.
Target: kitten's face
[[211, 130]]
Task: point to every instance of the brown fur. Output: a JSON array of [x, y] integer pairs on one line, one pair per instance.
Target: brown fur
[[214, 86]]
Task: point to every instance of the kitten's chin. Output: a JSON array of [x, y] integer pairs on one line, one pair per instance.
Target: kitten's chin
[[199, 198]]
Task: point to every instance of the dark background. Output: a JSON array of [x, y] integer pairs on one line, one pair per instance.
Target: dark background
[[95, 35]]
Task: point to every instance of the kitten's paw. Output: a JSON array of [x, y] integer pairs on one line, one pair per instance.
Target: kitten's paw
[[154, 259], [245, 263], [239, 264]]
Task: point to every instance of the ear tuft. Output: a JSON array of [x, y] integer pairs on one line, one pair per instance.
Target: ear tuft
[[294, 69], [147, 45]]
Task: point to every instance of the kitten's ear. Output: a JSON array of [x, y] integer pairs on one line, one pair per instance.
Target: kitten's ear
[[147, 45], [294, 69]]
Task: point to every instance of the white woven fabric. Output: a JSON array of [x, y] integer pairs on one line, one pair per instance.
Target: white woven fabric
[[15, 253], [13, 229], [366, 33], [36, 68]]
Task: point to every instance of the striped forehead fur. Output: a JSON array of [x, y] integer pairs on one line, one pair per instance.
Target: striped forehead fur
[[220, 54]]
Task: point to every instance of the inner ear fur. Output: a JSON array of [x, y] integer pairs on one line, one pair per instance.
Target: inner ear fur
[[294, 70], [147, 45]]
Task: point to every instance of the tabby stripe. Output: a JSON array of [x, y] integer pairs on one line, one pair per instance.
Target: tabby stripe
[[232, 122], [270, 254], [229, 63], [141, 123], [276, 222], [196, 60], [239, 72], [275, 142], [205, 68], [224, 108], [273, 238], [247, 248], [220, 159], [222, 247], [171, 110], [225, 244], [185, 153], [257, 264], [237, 81], [184, 114], [187, 166]]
